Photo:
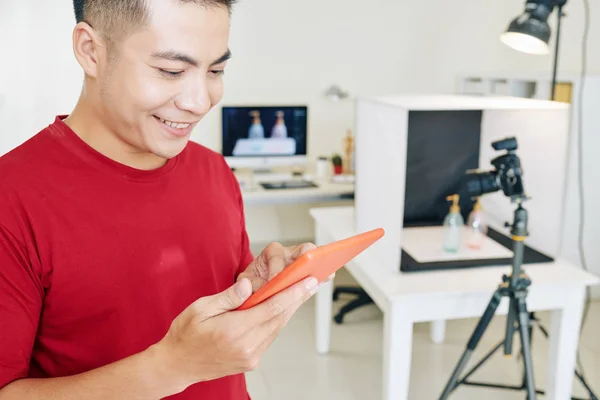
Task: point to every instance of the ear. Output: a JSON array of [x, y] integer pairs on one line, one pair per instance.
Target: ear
[[89, 48]]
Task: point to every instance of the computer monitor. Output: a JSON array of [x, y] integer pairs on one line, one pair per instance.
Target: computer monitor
[[261, 137]]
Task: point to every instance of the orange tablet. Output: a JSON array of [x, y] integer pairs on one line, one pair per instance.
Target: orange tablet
[[319, 263]]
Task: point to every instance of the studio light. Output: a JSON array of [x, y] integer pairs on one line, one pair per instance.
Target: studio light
[[530, 33]]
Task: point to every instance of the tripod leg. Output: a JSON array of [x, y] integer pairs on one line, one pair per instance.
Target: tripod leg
[[519, 227], [525, 346], [530, 331], [510, 326], [475, 337]]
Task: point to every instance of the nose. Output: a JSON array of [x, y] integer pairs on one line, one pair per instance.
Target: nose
[[195, 98]]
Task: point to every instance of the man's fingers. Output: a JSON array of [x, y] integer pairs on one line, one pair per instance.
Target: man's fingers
[[257, 282], [273, 259], [290, 254], [285, 303], [280, 320], [294, 252], [228, 300], [269, 317]]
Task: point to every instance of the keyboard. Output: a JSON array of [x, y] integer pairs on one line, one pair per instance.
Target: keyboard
[[294, 184]]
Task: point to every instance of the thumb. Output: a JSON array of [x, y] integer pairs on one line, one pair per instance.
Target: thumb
[[227, 300]]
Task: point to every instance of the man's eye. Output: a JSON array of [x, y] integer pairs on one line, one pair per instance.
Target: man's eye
[[170, 74], [217, 72]]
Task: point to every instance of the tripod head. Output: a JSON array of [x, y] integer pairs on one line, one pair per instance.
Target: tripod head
[[519, 226]]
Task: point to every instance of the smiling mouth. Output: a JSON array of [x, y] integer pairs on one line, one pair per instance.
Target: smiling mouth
[[171, 124]]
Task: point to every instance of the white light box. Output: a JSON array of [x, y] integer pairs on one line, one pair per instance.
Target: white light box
[[414, 150]]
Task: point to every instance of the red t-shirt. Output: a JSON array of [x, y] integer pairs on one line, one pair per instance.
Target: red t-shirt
[[97, 258]]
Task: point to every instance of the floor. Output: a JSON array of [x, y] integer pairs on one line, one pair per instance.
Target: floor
[[291, 369]]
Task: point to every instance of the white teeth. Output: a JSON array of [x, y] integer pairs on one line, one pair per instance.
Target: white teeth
[[174, 124]]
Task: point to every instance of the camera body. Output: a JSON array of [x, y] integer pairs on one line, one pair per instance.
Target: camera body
[[507, 175]]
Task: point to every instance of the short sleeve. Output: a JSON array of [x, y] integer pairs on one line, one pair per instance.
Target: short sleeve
[[21, 296]]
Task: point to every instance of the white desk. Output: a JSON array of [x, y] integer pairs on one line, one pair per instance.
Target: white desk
[[419, 297], [326, 191], [282, 215]]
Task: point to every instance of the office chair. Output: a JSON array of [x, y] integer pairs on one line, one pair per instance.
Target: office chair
[[362, 299]]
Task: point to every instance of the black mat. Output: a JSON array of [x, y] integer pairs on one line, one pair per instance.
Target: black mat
[[530, 256]]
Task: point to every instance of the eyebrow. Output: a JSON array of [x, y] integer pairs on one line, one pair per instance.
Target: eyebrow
[[226, 56], [172, 55]]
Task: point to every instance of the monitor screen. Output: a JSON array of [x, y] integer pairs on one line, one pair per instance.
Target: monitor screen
[[264, 131]]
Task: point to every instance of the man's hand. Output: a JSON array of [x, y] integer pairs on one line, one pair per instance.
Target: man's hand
[[209, 339], [273, 259]]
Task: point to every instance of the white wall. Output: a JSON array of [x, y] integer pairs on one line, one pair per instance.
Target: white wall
[[290, 52], [39, 76], [15, 87]]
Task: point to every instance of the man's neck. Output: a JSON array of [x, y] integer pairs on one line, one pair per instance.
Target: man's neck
[[90, 128]]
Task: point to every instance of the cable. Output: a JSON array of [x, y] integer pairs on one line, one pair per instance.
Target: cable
[[580, 151], [580, 240], [581, 247]]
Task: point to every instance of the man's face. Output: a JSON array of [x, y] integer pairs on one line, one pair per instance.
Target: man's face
[[166, 76]]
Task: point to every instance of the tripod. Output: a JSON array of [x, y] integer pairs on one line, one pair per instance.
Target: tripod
[[515, 288]]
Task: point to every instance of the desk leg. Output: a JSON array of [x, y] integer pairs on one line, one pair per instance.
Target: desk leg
[[397, 351], [564, 340], [323, 304], [438, 331]]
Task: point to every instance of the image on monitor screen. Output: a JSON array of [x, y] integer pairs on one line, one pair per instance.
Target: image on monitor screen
[[264, 131]]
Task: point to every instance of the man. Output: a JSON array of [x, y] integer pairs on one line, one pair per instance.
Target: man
[[123, 249]]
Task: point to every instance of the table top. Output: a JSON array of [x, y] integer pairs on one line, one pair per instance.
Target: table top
[[338, 222]]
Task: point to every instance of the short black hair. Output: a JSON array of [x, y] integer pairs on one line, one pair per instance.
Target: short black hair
[[114, 18]]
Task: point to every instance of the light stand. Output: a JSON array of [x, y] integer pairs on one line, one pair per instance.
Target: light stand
[[530, 33], [559, 15]]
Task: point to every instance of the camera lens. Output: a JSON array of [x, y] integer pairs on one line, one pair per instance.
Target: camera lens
[[480, 183]]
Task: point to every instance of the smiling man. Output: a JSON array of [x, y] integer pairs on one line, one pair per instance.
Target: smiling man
[[123, 248]]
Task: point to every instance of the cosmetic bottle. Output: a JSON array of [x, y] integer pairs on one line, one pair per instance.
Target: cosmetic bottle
[[453, 226], [477, 227]]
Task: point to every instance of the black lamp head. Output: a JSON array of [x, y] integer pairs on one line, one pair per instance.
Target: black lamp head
[[529, 32]]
